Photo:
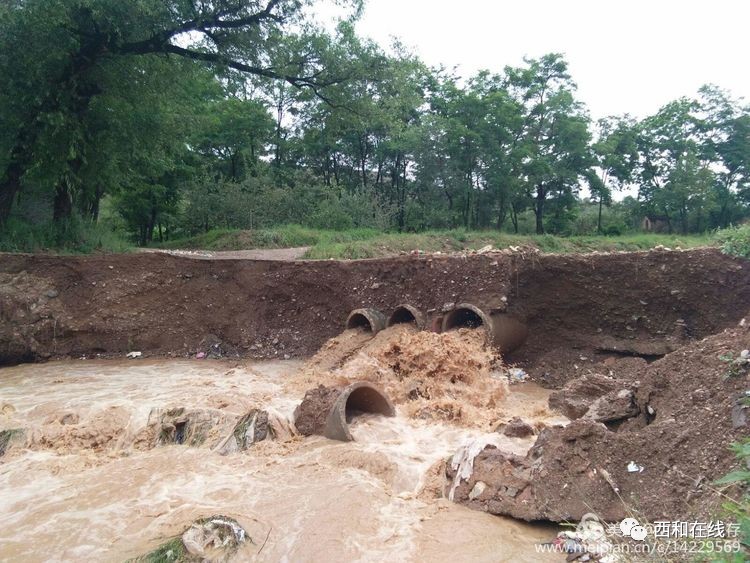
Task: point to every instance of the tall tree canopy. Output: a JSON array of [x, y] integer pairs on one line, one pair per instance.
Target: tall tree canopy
[[173, 117], [61, 55]]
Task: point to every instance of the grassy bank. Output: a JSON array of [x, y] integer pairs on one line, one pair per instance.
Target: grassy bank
[[75, 236], [83, 238], [367, 243]]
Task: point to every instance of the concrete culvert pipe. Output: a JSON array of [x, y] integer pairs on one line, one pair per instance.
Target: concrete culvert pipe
[[467, 315], [358, 398], [371, 320], [504, 331], [405, 314]]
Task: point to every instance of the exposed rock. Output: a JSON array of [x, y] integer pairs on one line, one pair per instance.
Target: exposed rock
[[507, 481], [312, 413], [578, 395], [478, 489], [555, 481], [739, 415], [516, 428], [614, 406]]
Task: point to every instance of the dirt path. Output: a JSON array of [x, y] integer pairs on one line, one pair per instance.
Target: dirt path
[[278, 254]]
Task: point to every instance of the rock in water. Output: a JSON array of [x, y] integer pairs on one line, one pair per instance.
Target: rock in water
[[517, 428], [214, 539]]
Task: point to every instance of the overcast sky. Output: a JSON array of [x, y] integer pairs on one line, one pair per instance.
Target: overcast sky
[[626, 56]]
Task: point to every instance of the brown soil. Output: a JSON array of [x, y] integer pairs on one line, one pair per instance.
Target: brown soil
[[681, 439], [166, 305]]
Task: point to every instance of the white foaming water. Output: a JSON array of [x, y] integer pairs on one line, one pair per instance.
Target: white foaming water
[[415, 446], [314, 499]]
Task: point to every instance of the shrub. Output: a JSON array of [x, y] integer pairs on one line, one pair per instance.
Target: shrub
[[740, 509], [735, 241]]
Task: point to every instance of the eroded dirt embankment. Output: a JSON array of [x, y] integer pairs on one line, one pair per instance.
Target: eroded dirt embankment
[[657, 453], [593, 306]]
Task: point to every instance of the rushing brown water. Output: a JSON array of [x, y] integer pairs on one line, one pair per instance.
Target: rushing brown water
[[88, 485]]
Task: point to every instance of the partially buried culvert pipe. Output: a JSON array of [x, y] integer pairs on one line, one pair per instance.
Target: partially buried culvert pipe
[[407, 314], [357, 398], [370, 320], [504, 331]]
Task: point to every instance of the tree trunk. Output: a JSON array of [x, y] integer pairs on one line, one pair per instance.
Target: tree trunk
[[599, 220], [9, 188], [63, 204], [70, 76], [539, 209], [95, 203]]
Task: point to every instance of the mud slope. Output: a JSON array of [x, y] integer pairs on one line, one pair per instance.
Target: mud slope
[[167, 305], [660, 463]]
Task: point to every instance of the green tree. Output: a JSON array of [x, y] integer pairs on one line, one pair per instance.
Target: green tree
[[616, 153], [674, 164], [555, 139], [55, 52], [726, 127]]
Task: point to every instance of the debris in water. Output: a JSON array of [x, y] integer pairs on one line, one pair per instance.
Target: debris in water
[[588, 542], [463, 462], [254, 427], [517, 375], [200, 356], [214, 539], [192, 427], [133, 355], [8, 436]]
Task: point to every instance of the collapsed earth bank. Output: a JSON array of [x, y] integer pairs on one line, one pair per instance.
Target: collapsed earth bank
[[642, 304], [626, 339]]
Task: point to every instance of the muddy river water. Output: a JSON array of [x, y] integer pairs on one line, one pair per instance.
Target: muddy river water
[[89, 483]]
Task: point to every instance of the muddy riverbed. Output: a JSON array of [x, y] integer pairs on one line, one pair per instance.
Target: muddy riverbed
[[89, 482]]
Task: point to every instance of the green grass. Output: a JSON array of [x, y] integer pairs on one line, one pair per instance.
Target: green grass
[[80, 237], [172, 551], [286, 236], [455, 241], [370, 243], [739, 510], [75, 236]]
